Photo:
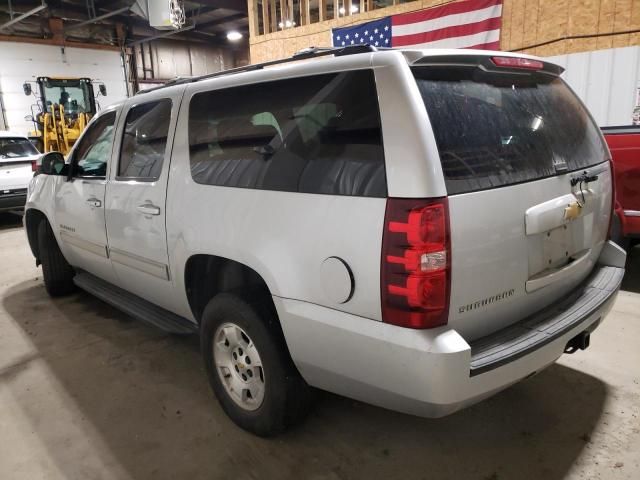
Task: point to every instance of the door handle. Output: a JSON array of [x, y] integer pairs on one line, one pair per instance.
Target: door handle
[[148, 209], [94, 202]]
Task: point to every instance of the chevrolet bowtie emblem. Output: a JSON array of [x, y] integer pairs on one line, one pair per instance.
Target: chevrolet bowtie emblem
[[572, 211]]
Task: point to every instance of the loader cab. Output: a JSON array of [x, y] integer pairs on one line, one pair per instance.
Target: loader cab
[[64, 107], [75, 95]]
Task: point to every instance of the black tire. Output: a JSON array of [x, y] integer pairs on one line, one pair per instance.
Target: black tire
[[287, 397], [58, 274]]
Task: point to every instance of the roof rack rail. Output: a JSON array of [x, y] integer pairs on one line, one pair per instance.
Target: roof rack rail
[[305, 53]]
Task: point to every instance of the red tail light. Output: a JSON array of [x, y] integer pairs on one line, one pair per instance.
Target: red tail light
[[517, 62], [416, 263]]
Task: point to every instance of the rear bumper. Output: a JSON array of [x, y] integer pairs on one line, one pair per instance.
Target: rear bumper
[[13, 200], [435, 372]]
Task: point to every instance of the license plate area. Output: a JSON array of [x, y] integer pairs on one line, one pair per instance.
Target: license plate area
[[13, 168], [559, 231], [557, 247], [560, 246], [6, 170]]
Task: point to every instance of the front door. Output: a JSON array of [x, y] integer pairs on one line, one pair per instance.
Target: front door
[[80, 201], [135, 212]]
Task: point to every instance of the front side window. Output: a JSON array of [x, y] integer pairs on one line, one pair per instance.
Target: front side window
[[144, 141], [94, 150], [318, 134]]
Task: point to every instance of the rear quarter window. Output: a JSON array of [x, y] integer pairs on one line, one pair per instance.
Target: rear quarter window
[[318, 134], [494, 129]]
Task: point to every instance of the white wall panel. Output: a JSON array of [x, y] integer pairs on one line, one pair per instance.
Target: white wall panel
[[606, 80], [20, 62]]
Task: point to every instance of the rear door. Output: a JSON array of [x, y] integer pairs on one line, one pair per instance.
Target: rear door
[[529, 189], [135, 213]]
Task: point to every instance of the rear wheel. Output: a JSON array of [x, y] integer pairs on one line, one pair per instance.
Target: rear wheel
[[249, 367], [58, 274]]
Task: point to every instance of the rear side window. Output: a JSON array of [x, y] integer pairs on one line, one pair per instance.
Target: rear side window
[[318, 134], [497, 129], [144, 141]]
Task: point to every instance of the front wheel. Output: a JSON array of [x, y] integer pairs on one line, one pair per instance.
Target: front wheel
[[58, 274], [249, 367]]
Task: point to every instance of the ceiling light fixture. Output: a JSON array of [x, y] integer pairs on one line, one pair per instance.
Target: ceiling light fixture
[[234, 36]]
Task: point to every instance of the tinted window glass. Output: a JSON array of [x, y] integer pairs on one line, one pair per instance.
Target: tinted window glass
[[495, 129], [16, 148], [144, 140], [317, 134], [94, 150]]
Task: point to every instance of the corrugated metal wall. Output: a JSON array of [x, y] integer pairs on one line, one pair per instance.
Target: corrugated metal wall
[[25, 61], [163, 60], [606, 80]]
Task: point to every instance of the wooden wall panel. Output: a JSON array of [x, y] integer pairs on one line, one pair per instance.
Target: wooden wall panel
[[622, 21], [531, 24], [605, 23], [505, 34], [525, 24]]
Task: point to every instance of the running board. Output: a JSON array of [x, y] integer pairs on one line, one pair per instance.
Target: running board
[[134, 306]]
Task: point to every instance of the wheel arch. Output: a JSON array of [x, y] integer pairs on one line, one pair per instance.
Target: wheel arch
[[32, 218], [207, 275]]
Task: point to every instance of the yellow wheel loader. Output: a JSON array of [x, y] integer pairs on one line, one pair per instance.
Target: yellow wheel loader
[[62, 111]]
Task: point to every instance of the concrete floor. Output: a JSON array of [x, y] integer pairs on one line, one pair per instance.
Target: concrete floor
[[87, 393]]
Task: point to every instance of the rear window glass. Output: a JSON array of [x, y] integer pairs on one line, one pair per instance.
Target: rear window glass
[[318, 134], [495, 129], [16, 148]]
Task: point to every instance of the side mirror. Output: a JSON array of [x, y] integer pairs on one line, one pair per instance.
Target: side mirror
[[103, 89], [52, 163], [26, 86]]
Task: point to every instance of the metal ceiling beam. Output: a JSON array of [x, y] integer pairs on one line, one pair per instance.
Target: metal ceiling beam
[[97, 19], [203, 11], [19, 18], [161, 35], [235, 5], [220, 21]]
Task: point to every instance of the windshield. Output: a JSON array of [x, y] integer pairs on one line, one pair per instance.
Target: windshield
[[73, 95], [16, 148], [496, 129]]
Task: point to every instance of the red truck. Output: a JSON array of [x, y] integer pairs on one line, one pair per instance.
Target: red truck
[[624, 143]]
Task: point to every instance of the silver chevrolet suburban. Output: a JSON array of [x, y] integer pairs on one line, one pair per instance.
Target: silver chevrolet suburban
[[414, 229]]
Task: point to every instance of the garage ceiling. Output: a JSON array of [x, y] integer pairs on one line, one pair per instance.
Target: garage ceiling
[[113, 23]]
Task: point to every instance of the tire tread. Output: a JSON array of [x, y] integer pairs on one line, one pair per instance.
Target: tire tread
[[56, 271]]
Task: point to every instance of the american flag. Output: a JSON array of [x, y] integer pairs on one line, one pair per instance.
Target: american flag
[[465, 24]]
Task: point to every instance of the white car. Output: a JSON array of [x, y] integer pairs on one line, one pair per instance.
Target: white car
[[17, 163], [413, 229]]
